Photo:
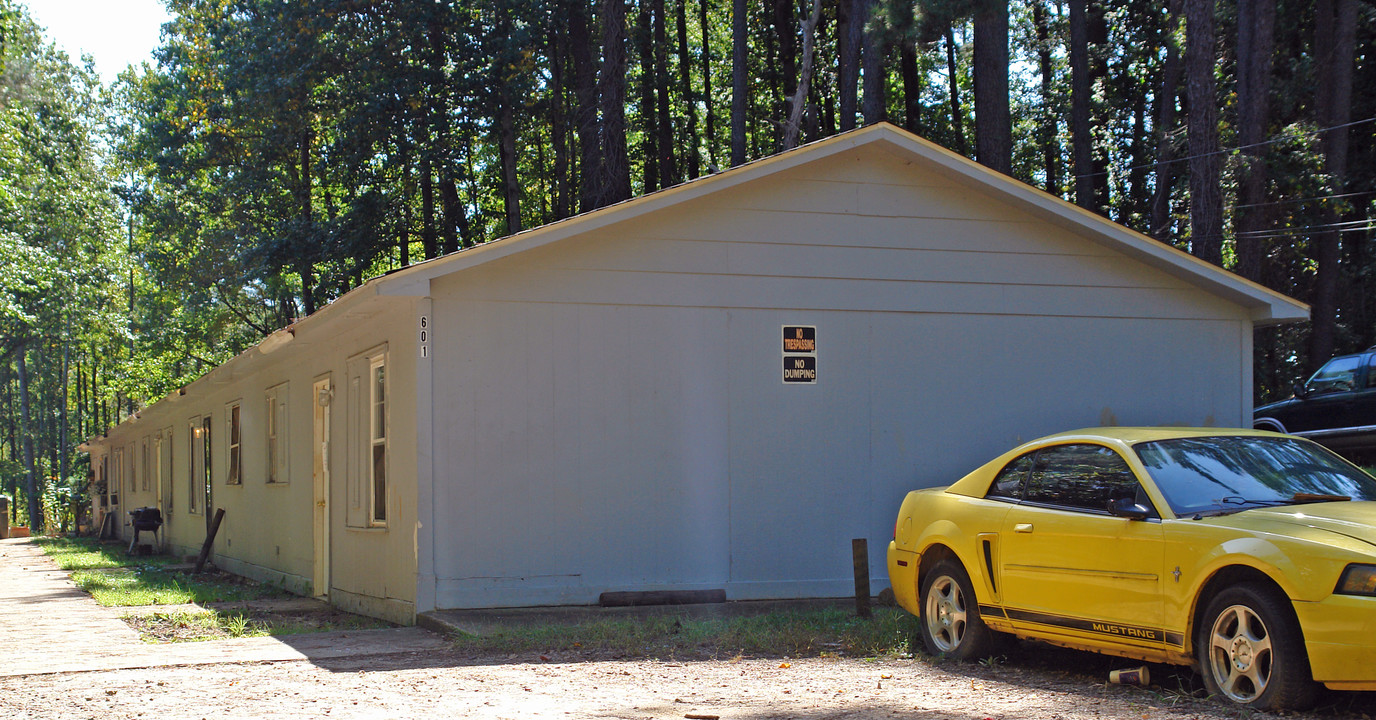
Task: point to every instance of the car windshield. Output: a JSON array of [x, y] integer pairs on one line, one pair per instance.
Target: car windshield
[[1336, 375], [1208, 475]]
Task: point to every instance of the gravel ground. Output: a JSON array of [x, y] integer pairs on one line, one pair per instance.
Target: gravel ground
[[1037, 682]]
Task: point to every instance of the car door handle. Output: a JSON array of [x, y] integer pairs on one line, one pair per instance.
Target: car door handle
[[1022, 528]]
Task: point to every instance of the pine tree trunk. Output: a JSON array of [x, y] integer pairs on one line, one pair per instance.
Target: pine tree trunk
[[1256, 24], [1051, 148], [62, 453], [1081, 139], [738, 81], [581, 51], [1097, 30], [649, 135], [615, 178], [873, 52], [709, 117], [685, 88], [439, 118], [912, 87], [1136, 195], [1161, 220], [993, 121], [785, 31], [849, 34], [304, 263], [31, 488], [1334, 36], [798, 102], [1206, 201], [952, 78], [427, 207], [558, 121], [404, 231], [668, 166], [511, 186]]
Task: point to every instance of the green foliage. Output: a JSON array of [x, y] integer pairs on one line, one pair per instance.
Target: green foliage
[[133, 585], [117, 579], [784, 633]]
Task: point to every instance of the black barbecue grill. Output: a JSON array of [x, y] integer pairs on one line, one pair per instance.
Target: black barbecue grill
[[145, 519]]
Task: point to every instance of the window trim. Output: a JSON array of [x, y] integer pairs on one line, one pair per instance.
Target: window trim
[[144, 472], [117, 480], [378, 420], [1142, 496], [234, 444], [194, 433], [276, 436]]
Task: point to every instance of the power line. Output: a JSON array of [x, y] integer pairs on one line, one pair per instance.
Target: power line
[[1226, 151], [1342, 227], [1308, 199]]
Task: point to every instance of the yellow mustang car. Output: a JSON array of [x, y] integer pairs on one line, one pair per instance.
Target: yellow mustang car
[[1248, 554]]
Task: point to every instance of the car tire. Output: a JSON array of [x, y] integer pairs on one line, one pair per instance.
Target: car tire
[[1251, 652], [950, 620]]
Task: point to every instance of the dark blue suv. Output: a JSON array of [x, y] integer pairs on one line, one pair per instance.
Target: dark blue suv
[[1336, 407]]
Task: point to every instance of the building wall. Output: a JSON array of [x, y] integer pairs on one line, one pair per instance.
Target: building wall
[[609, 411], [268, 530]]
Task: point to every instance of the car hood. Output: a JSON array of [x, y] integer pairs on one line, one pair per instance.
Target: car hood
[[1356, 520], [1272, 407]]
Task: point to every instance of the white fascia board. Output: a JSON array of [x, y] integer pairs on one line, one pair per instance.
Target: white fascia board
[[1265, 305], [415, 280]]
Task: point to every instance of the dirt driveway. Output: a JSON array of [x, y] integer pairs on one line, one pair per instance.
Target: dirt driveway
[[445, 684]]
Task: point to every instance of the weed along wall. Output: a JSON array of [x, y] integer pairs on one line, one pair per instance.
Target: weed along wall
[[714, 387]]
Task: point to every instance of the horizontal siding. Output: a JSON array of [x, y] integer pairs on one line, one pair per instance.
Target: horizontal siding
[[628, 288], [610, 413]]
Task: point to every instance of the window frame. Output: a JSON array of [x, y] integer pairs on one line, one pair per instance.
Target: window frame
[[1139, 494], [117, 475], [1031, 458], [276, 438], [378, 432], [144, 471], [195, 450], [234, 445]]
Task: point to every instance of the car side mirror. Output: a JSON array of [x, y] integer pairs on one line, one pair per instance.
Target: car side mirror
[[1128, 508], [1300, 391]]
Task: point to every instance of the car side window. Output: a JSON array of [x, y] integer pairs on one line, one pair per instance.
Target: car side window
[[1008, 484], [1337, 375], [1087, 477]]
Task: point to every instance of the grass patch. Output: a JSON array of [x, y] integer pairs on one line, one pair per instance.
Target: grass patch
[[116, 579], [192, 627], [151, 585], [827, 632], [88, 554]]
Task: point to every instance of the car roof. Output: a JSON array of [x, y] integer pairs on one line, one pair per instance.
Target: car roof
[[977, 482], [1133, 435]]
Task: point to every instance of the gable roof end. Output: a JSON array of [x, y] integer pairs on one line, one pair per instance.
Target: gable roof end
[[1266, 306]]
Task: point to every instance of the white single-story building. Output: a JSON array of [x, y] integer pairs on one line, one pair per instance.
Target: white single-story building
[[713, 387]]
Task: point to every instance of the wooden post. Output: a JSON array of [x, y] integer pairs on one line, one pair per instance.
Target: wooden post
[[4, 517], [209, 539], [860, 556]]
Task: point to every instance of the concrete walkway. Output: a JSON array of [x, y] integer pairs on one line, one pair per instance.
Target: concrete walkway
[[47, 625]]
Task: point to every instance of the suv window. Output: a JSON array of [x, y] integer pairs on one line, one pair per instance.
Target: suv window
[[1085, 477], [1008, 484], [1337, 375]]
